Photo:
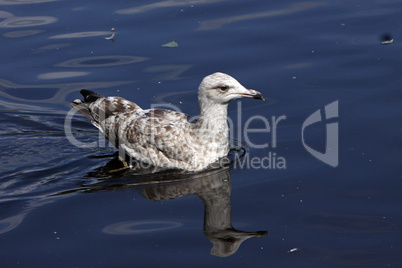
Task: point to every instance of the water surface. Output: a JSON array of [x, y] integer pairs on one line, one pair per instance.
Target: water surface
[[61, 205]]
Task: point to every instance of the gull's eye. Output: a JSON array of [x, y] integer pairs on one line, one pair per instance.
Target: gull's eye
[[223, 88]]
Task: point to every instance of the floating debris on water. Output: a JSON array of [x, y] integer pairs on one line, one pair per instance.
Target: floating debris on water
[[386, 39], [171, 44], [293, 250], [113, 30], [387, 42]]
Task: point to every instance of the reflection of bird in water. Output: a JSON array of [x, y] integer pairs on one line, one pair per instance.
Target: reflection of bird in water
[[165, 138], [213, 187]]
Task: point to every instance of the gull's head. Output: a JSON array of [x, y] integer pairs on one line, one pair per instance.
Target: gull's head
[[222, 88]]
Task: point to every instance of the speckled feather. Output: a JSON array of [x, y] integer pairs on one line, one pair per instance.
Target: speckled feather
[[165, 138]]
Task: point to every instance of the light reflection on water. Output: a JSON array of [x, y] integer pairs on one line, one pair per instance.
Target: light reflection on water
[[140, 227], [23, 2], [80, 35], [164, 4], [294, 8], [59, 75], [102, 61], [16, 22], [12, 99], [22, 33]]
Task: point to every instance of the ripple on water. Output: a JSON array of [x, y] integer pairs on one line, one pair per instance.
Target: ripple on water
[[22, 33], [15, 22], [81, 34], [22, 2], [102, 61], [140, 227], [59, 75]]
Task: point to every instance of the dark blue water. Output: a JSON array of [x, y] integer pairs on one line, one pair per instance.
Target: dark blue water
[[60, 205]]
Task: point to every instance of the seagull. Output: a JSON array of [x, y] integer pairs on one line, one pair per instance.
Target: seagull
[[165, 138]]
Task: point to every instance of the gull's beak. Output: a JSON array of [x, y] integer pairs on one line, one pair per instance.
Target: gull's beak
[[251, 93]]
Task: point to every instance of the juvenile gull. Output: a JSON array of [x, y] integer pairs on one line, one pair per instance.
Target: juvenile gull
[[165, 138]]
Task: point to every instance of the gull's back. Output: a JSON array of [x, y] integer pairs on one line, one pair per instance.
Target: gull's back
[[162, 138]]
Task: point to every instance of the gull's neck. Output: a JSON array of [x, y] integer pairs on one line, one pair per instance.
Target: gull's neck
[[211, 130], [212, 116]]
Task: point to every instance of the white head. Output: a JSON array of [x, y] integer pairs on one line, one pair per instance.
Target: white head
[[221, 88]]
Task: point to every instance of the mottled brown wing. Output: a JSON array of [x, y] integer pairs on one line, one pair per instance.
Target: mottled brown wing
[[102, 108], [163, 130]]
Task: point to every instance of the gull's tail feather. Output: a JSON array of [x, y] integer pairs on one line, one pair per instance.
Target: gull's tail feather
[[97, 108]]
